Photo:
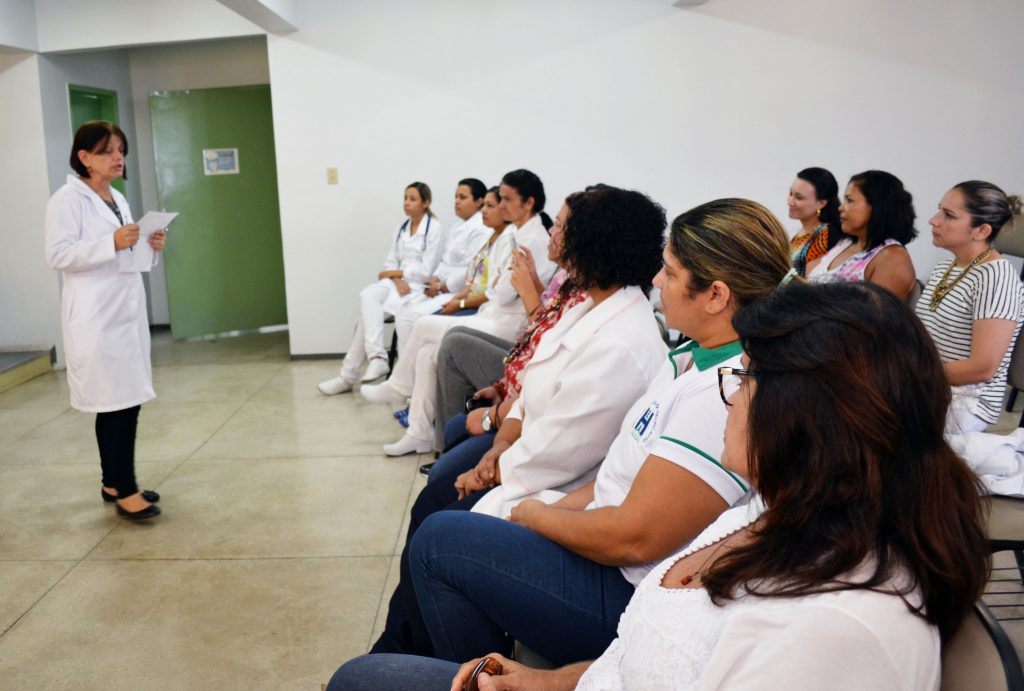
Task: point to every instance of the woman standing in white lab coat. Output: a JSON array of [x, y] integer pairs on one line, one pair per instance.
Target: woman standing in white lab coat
[[407, 269], [103, 310]]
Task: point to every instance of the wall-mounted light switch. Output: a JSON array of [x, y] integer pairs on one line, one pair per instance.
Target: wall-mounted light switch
[[332, 176]]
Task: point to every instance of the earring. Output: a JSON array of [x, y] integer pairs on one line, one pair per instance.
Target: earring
[[818, 213]]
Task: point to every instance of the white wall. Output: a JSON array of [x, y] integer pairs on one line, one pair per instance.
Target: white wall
[[29, 300], [102, 70], [99, 69], [65, 25], [235, 62], [17, 25], [730, 99]]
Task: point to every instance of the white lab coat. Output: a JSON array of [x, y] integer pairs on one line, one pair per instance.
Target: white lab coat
[[587, 372], [417, 257], [103, 311], [503, 314]]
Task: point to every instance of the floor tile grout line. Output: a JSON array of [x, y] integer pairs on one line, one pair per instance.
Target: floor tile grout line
[[311, 557], [61, 579], [230, 417], [391, 561]]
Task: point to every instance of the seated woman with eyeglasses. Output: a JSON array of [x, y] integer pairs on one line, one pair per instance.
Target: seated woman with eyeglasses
[[861, 552], [559, 580]]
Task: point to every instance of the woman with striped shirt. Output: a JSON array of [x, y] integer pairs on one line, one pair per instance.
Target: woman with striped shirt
[[973, 304]]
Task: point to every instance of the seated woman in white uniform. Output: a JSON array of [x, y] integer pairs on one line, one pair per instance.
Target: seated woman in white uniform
[[973, 304], [864, 550], [459, 245], [407, 267], [502, 315]]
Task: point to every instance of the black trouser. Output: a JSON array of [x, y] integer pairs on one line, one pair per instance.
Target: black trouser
[[404, 630], [115, 434]]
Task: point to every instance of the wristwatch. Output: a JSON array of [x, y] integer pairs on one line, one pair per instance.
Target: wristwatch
[[462, 304], [485, 423]]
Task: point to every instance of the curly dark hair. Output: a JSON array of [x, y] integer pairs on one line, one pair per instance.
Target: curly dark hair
[[873, 484], [892, 207], [613, 237]]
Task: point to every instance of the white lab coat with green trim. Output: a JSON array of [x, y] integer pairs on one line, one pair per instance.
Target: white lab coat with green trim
[[103, 311]]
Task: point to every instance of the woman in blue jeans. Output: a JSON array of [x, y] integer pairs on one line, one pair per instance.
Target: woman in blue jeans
[[604, 225], [823, 579], [557, 576]]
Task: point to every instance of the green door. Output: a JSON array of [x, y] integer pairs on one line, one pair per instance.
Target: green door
[[215, 166], [89, 103]]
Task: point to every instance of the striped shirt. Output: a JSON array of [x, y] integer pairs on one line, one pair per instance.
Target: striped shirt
[[991, 290]]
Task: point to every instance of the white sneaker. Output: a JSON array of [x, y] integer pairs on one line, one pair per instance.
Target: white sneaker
[[381, 393], [377, 368], [333, 387], [407, 445]]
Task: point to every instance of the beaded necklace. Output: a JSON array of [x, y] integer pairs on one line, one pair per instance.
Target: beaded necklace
[[944, 287]]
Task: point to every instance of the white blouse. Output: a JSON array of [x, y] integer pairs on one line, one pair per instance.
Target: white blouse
[[676, 638]]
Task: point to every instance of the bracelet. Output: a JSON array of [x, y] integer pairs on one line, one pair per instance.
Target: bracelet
[[462, 304]]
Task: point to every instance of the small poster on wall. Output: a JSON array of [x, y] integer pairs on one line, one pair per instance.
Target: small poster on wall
[[220, 161]]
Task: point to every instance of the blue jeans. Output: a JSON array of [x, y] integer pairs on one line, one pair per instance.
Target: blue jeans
[[465, 455], [480, 580], [398, 672]]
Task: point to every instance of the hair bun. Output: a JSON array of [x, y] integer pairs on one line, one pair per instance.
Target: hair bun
[[1015, 204]]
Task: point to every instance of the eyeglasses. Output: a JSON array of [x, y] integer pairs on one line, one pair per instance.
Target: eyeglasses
[[733, 374]]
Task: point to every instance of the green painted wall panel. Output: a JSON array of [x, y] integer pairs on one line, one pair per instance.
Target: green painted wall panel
[[224, 262], [89, 103]]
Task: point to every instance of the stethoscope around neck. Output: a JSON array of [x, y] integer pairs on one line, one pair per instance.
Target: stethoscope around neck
[[401, 229]]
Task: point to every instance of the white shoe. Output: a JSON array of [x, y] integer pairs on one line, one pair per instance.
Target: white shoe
[[381, 393], [335, 386], [408, 444], [377, 368]]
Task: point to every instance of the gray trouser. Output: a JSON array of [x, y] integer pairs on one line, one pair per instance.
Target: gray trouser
[[467, 361]]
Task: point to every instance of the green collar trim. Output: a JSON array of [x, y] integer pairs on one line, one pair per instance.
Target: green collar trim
[[706, 358]]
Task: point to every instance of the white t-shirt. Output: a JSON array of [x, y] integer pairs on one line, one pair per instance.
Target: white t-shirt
[[990, 291], [681, 418], [676, 638]]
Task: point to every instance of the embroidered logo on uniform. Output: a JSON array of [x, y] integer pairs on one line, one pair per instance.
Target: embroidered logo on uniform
[[643, 428]]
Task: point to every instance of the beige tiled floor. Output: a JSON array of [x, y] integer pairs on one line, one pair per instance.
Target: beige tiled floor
[[275, 556], [270, 563]]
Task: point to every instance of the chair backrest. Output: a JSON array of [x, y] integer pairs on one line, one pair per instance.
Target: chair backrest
[[980, 657], [915, 293], [1011, 238], [1015, 375]]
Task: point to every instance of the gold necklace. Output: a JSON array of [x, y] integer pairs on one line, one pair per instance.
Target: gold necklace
[[944, 287]]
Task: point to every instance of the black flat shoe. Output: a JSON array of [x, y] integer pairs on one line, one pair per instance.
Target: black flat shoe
[[425, 468], [140, 515], [147, 494]]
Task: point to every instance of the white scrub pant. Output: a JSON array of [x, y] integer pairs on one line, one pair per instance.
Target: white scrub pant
[[959, 418], [415, 375], [411, 311], [368, 341]]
